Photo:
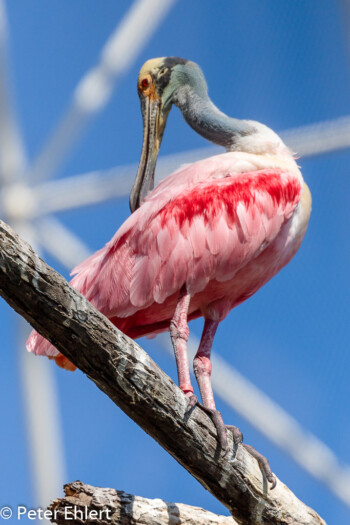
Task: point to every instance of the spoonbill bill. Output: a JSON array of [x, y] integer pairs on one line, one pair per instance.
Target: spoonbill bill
[[205, 239]]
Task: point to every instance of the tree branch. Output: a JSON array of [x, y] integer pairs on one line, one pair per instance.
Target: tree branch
[[98, 505], [121, 369]]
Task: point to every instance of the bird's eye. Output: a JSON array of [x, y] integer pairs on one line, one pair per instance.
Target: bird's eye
[[144, 83]]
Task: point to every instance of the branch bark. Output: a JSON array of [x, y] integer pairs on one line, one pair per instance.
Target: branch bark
[[125, 373], [101, 505]]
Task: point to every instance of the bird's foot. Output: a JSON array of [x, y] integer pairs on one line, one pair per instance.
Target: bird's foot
[[216, 418], [236, 433], [263, 464], [193, 400], [221, 430]]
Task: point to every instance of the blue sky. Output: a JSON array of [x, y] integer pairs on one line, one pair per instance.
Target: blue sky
[[285, 64]]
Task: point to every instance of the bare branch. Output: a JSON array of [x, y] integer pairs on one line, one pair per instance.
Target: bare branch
[[99, 505], [121, 369]]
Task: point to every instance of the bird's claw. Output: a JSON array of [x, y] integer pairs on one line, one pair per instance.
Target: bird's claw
[[236, 433], [216, 418], [263, 464], [193, 401], [221, 430]]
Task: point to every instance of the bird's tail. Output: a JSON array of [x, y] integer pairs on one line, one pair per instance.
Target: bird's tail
[[37, 344]]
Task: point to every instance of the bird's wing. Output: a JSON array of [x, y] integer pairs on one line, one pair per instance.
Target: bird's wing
[[209, 230]]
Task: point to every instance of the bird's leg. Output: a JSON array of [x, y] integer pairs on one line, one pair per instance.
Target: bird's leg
[[179, 336], [202, 369], [202, 364]]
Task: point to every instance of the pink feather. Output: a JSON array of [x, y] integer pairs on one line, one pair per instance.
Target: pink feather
[[200, 227]]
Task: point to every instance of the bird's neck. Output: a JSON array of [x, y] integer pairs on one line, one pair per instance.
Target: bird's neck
[[233, 134], [207, 120]]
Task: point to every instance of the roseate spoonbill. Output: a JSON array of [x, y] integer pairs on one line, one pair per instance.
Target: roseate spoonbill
[[205, 239]]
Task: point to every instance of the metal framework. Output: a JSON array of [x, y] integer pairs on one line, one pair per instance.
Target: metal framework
[[28, 200]]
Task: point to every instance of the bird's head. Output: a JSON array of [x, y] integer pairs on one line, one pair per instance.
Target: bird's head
[[158, 85]]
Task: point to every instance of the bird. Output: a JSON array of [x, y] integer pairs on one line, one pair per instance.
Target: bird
[[201, 242]]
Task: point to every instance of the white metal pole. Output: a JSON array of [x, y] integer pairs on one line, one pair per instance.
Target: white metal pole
[[95, 88]]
